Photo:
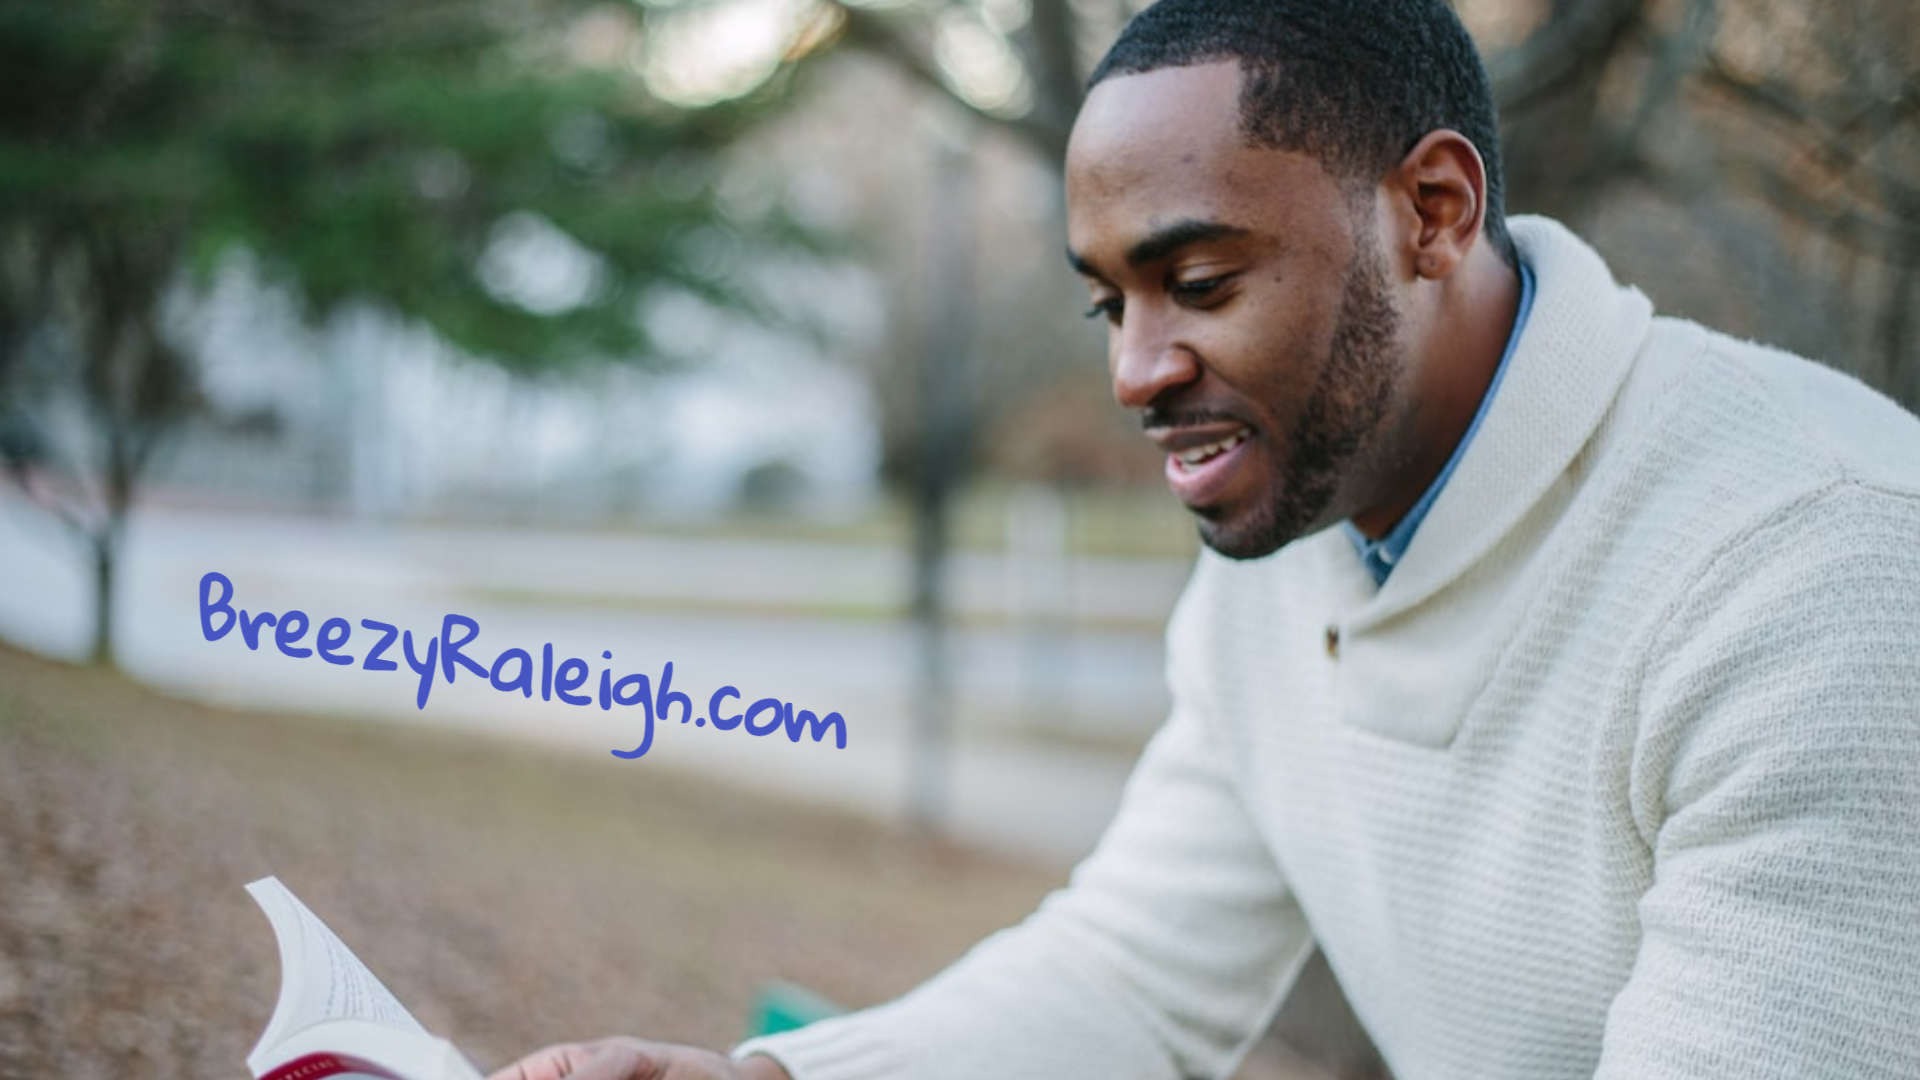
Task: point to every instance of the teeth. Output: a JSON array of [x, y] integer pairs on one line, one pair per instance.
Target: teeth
[[1212, 450]]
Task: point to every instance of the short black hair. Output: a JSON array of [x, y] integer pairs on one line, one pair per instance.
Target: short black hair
[[1355, 83]]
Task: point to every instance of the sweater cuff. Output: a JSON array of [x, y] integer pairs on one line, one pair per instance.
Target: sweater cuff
[[842, 1048]]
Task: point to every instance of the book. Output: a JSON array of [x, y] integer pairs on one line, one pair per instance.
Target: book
[[334, 1018]]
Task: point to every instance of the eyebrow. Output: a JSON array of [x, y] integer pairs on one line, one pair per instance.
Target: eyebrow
[[1165, 241]]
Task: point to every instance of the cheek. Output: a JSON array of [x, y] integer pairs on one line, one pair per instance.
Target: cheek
[[1275, 356]]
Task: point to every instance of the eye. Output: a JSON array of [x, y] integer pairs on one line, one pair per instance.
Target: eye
[[1198, 290], [1109, 307]]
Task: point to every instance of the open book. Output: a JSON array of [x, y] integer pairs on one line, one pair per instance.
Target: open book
[[334, 1018]]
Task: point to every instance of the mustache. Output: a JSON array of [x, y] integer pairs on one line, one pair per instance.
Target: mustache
[[1165, 416]]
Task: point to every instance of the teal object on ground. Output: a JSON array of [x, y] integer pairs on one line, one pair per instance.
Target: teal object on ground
[[782, 1006]]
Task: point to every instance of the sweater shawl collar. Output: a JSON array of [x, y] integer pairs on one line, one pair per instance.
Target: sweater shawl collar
[[1572, 357]]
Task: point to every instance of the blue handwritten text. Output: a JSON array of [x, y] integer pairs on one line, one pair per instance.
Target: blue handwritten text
[[443, 656]]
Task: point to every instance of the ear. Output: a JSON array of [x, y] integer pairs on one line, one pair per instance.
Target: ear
[[1441, 186]]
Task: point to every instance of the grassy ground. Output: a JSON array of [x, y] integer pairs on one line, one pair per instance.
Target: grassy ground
[[509, 896]]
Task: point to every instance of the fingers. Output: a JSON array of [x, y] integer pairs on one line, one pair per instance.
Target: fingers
[[607, 1059], [557, 1062], [619, 1059]]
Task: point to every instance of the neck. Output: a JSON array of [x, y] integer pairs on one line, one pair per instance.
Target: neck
[[1473, 317]]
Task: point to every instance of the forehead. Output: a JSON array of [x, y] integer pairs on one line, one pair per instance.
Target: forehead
[[1168, 145]]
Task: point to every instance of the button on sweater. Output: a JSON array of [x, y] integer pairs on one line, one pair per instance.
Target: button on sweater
[[1617, 775]]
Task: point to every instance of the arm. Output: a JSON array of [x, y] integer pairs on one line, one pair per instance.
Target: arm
[[1777, 780], [1162, 957]]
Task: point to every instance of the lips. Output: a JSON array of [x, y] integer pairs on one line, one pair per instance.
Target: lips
[[1201, 454], [1203, 460]]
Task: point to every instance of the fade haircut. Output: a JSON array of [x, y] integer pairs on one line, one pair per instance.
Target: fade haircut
[[1355, 83]]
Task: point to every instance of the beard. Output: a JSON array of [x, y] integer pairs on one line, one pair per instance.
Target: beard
[[1344, 409]]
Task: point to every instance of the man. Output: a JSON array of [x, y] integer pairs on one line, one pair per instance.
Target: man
[[1555, 668]]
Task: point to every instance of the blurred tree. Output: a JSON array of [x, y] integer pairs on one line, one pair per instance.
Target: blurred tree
[[1787, 131], [359, 150], [1777, 143]]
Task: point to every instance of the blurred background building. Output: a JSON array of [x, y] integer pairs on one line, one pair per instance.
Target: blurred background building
[[369, 416]]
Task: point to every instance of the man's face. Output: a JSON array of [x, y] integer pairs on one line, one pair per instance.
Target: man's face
[[1249, 315]]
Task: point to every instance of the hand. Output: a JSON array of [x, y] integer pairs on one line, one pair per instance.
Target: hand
[[635, 1059]]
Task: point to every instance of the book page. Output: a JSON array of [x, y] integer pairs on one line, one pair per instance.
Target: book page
[[356, 1050], [320, 978]]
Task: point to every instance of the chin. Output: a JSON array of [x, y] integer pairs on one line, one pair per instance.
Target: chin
[[1259, 531], [1240, 539]]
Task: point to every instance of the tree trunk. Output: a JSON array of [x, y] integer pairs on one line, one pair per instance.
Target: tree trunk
[[933, 681], [1896, 328], [1897, 359], [105, 543], [945, 394], [126, 455]]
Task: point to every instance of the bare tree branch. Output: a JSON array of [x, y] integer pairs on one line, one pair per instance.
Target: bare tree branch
[[1054, 62], [24, 479], [1892, 240], [1677, 56], [883, 37], [1837, 146], [1559, 52]]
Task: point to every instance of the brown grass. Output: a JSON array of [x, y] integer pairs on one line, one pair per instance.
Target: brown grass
[[510, 896]]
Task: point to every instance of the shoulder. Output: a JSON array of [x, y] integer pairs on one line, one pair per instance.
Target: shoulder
[[1760, 513], [1799, 490], [1789, 652], [1741, 403], [1714, 445], [1842, 553]]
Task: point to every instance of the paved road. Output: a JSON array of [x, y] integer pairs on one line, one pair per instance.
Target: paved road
[[638, 598]]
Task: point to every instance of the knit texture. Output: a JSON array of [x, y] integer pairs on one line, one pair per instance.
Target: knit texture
[[1617, 775]]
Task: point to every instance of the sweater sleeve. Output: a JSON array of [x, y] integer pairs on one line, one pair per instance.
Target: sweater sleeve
[[1777, 782], [1162, 956]]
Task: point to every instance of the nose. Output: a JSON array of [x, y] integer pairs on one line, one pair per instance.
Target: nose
[[1147, 361]]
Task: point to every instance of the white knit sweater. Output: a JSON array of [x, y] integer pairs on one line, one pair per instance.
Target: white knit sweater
[[1618, 774]]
